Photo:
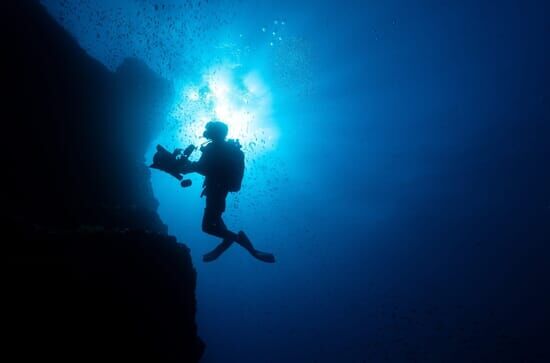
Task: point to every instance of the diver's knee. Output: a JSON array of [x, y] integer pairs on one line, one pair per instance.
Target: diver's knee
[[210, 228], [206, 227]]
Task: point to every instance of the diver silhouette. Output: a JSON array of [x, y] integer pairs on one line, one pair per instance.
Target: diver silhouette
[[222, 165]]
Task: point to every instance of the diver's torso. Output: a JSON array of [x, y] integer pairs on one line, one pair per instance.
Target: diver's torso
[[215, 156]]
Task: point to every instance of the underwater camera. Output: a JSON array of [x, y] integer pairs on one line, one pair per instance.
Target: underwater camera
[[174, 163]]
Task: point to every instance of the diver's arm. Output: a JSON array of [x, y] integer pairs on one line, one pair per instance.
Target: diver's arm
[[195, 167], [202, 165]]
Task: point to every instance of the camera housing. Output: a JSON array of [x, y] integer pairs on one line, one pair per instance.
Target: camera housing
[[174, 163]]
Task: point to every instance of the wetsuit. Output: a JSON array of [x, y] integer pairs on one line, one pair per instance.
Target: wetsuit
[[213, 164]]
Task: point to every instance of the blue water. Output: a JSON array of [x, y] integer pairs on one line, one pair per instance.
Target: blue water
[[396, 166]]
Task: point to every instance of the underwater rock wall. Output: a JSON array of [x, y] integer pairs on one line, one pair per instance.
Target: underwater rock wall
[[77, 132], [92, 272], [93, 294]]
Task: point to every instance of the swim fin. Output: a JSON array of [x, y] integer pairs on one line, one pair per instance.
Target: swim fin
[[244, 241], [217, 251], [264, 256]]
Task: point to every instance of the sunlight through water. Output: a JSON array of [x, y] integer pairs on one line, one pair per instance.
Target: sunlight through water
[[225, 93]]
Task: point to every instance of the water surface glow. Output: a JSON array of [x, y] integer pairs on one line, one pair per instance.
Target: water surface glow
[[240, 99]]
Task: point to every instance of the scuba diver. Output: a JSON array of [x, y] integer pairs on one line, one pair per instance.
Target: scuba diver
[[222, 164]]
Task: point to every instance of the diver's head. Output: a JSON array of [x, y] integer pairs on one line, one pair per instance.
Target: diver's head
[[215, 131]]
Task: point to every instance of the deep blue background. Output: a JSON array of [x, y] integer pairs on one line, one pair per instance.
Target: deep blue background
[[407, 198]]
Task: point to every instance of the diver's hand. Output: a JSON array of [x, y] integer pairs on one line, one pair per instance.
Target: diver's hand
[[188, 166]]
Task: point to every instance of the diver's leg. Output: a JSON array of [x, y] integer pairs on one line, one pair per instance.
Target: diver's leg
[[243, 240], [218, 251], [212, 223]]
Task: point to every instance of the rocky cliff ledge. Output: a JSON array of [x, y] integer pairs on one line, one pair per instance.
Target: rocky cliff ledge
[[100, 295], [91, 271]]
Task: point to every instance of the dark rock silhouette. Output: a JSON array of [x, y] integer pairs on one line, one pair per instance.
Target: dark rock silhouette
[[96, 294], [78, 132], [92, 273]]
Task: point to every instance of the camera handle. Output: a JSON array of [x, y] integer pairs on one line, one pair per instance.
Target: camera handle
[[185, 155]]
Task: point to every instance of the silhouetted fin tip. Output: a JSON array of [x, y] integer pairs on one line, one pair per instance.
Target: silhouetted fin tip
[[264, 256]]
